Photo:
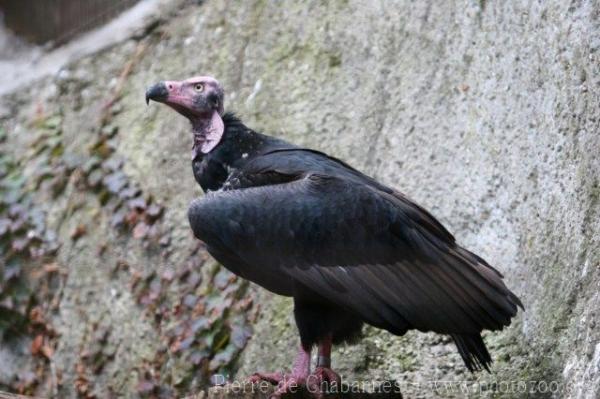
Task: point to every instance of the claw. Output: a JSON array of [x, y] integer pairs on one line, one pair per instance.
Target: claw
[[287, 383], [273, 378], [323, 380]]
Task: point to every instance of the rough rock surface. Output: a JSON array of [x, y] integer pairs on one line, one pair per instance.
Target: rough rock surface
[[487, 113]]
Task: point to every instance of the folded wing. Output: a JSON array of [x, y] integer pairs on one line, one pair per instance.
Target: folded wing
[[367, 249]]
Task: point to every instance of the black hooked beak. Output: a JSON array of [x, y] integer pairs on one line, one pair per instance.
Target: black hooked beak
[[158, 93]]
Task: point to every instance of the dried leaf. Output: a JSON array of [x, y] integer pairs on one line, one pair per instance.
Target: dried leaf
[[102, 248], [95, 178], [154, 211], [194, 279], [115, 182], [168, 275], [132, 217], [11, 271], [200, 324], [155, 288], [74, 161], [109, 130], [129, 192], [27, 378], [78, 232], [197, 357], [190, 300], [58, 184], [245, 303], [165, 240], [240, 335], [19, 244], [186, 343], [91, 164], [36, 315], [136, 277], [118, 219], [4, 226], [51, 267], [222, 279], [36, 344], [138, 203], [145, 387], [53, 122], [109, 350], [140, 230], [112, 164], [17, 225], [223, 358], [47, 351], [101, 149]]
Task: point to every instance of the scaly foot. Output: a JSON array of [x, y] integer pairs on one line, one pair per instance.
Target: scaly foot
[[286, 383], [323, 380]]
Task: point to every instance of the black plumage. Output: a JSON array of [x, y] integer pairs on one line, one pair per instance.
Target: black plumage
[[348, 249]]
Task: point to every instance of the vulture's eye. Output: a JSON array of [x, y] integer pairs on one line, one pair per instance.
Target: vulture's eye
[[199, 86]]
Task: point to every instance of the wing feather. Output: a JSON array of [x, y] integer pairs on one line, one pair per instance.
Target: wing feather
[[367, 249]]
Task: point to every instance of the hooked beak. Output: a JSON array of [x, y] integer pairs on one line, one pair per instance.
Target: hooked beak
[[158, 93], [181, 96]]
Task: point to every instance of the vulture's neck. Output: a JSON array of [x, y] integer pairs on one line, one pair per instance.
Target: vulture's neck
[[239, 145]]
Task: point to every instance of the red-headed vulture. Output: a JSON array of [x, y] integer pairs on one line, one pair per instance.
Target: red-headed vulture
[[348, 249]]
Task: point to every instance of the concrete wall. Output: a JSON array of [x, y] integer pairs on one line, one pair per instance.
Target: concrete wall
[[487, 113]]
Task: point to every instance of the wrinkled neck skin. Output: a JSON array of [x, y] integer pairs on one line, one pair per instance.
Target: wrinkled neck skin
[[208, 132]]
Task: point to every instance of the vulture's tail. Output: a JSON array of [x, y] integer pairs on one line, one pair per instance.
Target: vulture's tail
[[473, 351]]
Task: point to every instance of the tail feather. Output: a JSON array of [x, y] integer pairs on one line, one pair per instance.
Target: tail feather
[[473, 351]]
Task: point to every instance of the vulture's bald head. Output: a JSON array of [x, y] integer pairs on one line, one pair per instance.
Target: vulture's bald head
[[200, 99], [192, 98]]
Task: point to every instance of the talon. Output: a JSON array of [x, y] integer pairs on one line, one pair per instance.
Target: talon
[[287, 383], [322, 379], [274, 378]]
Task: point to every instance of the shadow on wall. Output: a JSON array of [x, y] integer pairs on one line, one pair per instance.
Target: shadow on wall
[[58, 21]]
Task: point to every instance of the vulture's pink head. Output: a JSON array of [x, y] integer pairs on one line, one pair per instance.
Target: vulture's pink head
[[200, 99]]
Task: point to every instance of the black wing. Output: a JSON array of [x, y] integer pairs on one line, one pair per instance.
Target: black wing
[[366, 249]]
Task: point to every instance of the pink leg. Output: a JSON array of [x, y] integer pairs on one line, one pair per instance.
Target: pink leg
[[324, 359], [288, 383], [323, 373]]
